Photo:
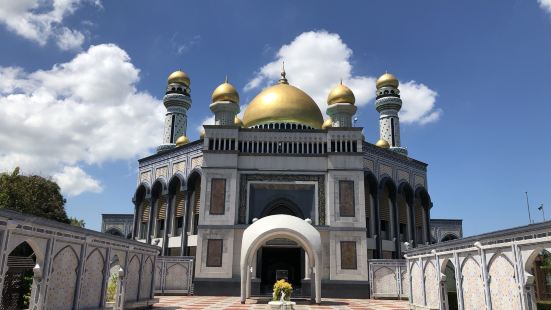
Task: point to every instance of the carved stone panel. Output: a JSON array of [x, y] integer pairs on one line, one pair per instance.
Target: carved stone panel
[[348, 255], [217, 196], [196, 161], [161, 172], [179, 167], [214, 252], [346, 198]]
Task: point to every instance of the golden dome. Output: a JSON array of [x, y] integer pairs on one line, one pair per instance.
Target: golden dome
[[182, 141], [237, 121], [382, 143], [179, 77], [328, 123], [225, 92], [341, 94], [387, 79], [202, 133], [283, 103]]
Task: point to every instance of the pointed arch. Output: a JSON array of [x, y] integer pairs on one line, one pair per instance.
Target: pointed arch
[[177, 183]]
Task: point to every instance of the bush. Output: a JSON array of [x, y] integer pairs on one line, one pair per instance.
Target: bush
[[282, 286], [112, 287]]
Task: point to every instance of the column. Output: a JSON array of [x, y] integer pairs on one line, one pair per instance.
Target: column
[[183, 249], [169, 220]]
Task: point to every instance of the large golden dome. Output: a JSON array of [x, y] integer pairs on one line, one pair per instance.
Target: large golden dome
[[387, 79], [225, 92], [341, 94], [283, 103], [179, 77]]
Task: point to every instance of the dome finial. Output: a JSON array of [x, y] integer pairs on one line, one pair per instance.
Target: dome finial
[[283, 79], [341, 81], [226, 79]]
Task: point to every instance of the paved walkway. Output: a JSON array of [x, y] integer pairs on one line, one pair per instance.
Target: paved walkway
[[232, 303]]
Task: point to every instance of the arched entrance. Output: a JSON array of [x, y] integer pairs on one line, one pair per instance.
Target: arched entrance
[[18, 279], [277, 227], [450, 285]]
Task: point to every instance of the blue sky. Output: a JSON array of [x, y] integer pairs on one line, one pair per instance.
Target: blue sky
[[81, 84]]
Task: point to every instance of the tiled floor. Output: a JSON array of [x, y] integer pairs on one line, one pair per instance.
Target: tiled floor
[[232, 303]]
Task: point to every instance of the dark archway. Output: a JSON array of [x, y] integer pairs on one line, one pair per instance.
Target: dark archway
[[388, 217], [114, 231], [18, 279], [449, 237], [371, 211], [451, 287], [421, 206], [282, 206]]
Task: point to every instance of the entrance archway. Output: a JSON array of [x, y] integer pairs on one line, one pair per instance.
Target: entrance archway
[[18, 280], [451, 287], [275, 227]]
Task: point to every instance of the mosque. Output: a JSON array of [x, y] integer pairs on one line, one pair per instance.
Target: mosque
[[282, 192]]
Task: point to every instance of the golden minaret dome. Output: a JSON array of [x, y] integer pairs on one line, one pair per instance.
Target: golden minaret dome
[[341, 94], [182, 141], [179, 77], [237, 121], [382, 143], [328, 123], [387, 79], [202, 133], [225, 92], [283, 103]]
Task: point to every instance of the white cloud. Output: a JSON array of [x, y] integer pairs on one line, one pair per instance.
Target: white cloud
[[74, 181], [545, 5], [40, 20], [83, 112], [418, 103], [70, 39], [315, 61]]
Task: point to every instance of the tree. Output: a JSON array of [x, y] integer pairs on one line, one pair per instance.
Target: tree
[[32, 194], [76, 222]]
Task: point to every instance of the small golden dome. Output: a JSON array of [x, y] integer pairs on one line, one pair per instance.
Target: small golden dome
[[283, 103], [328, 123], [225, 92], [202, 133], [182, 141], [341, 94], [382, 143], [179, 77], [387, 79], [237, 121]]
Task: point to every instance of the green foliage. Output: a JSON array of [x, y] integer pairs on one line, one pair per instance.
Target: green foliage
[[112, 287], [32, 194], [76, 222], [27, 288], [282, 286]]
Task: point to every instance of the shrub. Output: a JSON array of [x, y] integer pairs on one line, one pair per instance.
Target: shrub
[[282, 286], [112, 287]]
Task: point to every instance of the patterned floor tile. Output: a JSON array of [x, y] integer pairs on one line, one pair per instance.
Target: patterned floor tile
[[232, 303]]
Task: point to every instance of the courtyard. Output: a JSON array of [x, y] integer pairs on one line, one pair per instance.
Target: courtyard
[[221, 302]]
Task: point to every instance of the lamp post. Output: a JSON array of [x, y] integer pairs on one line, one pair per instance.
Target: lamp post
[[542, 211]]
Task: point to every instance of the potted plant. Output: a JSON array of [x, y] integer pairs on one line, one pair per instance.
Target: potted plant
[[281, 298]]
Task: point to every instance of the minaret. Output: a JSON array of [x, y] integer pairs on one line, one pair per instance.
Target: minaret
[[225, 104], [177, 102], [388, 104], [341, 106]]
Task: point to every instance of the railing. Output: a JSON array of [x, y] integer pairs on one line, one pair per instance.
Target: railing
[[285, 142]]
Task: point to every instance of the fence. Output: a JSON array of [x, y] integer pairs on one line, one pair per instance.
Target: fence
[[388, 278], [174, 275], [74, 268]]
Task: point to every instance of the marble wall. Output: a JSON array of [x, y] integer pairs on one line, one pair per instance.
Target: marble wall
[[73, 264], [491, 271]]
